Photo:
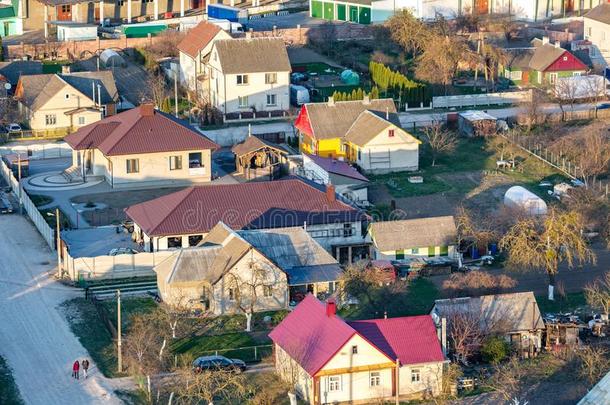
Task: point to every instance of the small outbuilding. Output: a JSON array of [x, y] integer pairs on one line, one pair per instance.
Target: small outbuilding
[[74, 31], [256, 158], [476, 123], [519, 197], [111, 58]]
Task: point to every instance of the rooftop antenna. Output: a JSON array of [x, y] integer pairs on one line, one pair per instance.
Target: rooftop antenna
[[387, 113]]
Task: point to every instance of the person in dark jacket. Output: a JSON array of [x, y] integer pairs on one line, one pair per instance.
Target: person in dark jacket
[[85, 365], [75, 369]]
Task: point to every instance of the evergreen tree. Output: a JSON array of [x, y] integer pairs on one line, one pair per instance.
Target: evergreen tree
[[374, 93], [359, 94]]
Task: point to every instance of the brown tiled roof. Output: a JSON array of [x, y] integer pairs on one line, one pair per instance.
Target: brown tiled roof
[[198, 37], [134, 132], [333, 121], [600, 13], [252, 55], [259, 205], [254, 143]]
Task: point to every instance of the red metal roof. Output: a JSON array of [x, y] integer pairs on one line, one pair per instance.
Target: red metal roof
[[198, 38], [135, 131], [311, 337], [258, 205], [411, 339]]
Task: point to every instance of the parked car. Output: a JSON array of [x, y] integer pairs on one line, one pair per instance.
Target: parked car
[[128, 225], [122, 251], [210, 363], [14, 128], [5, 205]]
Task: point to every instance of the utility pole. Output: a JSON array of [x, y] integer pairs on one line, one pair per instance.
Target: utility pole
[[19, 182], [176, 90], [119, 343], [58, 233]]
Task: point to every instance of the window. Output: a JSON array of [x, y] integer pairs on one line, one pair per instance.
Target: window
[[391, 133], [565, 58], [195, 160], [415, 375], [576, 73], [359, 155], [50, 119], [232, 294], [516, 75], [133, 165], [444, 251], [67, 96], [431, 251], [174, 242], [347, 230], [589, 32], [354, 349], [400, 254], [267, 291], [334, 383], [81, 120], [552, 78], [270, 78], [375, 378], [415, 251], [175, 162], [271, 99], [242, 80], [195, 239], [242, 101]]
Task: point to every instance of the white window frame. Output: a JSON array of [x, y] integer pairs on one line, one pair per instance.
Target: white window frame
[[267, 291], [516, 75], [553, 78], [576, 73], [271, 78], [241, 103], [128, 166], [242, 80], [232, 294], [274, 103], [81, 120], [375, 379], [334, 383], [172, 162], [50, 119], [415, 375]]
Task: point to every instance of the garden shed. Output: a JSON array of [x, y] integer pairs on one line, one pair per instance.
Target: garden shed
[[256, 158], [519, 197], [476, 123]]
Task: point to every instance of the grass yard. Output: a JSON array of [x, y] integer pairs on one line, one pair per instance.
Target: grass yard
[[9, 393], [40, 200], [232, 345], [572, 302], [49, 215]]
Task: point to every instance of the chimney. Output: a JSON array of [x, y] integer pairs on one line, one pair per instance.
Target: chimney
[[331, 101], [387, 114], [545, 40], [331, 308], [367, 99], [444, 335], [557, 44], [65, 69], [330, 193], [147, 110]]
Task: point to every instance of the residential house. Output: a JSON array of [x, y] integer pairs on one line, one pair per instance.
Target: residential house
[[283, 264], [12, 71], [181, 219], [514, 316], [427, 237], [62, 103], [348, 181], [597, 32], [11, 17], [257, 158], [141, 147], [194, 50], [329, 360], [250, 77], [542, 64], [365, 132]]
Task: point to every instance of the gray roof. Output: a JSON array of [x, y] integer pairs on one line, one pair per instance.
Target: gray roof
[[12, 71], [254, 143], [519, 58], [600, 13], [314, 274], [333, 120], [301, 55], [368, 125], [599, 394], [39, 89], [499, 313], [223, 247], [413, 233], [252, 55], [544, 56]]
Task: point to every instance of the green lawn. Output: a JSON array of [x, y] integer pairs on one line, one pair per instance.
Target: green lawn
[[571, 302], [233, 345], [39, 199], [9, 393]]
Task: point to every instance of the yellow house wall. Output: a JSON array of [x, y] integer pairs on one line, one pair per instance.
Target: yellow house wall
[[330, 148]]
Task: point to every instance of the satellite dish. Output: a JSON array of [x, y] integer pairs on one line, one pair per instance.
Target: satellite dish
[[7, 86]]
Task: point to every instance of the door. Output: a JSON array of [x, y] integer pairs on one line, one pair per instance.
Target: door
[[353, 14], [481, 6], [364, 15], [341, 12], [329, 11], [317, 9], [569, 6], [64, 12]]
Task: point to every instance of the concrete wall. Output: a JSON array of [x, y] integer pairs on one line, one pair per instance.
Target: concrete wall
[[599, 34]]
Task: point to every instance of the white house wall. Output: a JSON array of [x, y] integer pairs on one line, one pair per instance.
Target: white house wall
[[599, 35], [292, 373], [389, 154], [384, 9], [430, 379]]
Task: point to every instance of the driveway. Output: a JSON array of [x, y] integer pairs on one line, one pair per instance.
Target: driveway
[[35, 339]]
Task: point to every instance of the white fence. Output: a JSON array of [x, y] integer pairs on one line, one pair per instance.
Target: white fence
[[48, 150], [512, 97], [110, 267], [45, 230]]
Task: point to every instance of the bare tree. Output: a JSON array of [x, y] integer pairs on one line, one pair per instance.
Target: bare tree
[[465, 332], [531, 112], [597, 294], [144, 347], [546, 242], [440, 139], [411, 33], [594, 156], [157, 90], [508, 380], [594, 363], [474, 232], [176, 312], [206, 386]]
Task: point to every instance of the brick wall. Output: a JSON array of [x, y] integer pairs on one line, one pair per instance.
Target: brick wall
[[301, 35]]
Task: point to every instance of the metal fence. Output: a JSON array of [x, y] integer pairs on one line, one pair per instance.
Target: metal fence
[[512, 97], [39, 221], [249, 354]]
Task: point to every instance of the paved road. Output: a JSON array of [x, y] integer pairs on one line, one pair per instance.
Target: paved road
[[35, 339]]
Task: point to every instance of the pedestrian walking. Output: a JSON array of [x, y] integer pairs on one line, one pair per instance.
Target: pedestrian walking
[[75, 369], [85, 366]]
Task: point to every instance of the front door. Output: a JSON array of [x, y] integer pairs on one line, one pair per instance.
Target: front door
[[64, 12], [481, 6]]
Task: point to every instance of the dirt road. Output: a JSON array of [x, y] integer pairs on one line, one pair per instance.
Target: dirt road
[[35, 339]]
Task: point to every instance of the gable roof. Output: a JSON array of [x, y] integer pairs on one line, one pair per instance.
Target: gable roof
[[139, 130], [600, 13], [599, 394], [368, 125], [410, 339], [198, 37], [252, 55], [500, 312], [312, 338], [223, 247], [12, 71], [333, 120], [519, 58], [82, 81], [258, 205], [36, 90], [544, 56], [413, 233], [335, 166], [254, 143]]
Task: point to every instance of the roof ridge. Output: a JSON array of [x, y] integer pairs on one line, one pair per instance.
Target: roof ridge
[[190, 191]]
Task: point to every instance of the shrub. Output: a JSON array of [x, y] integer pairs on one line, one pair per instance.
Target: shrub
[[477, 283], [495, 349]]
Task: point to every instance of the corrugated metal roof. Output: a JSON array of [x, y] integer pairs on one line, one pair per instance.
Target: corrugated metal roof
[[336, 167], [134, 132], [259, 205], [413, 233], [599, 394], [314, 274], [252, 55]]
